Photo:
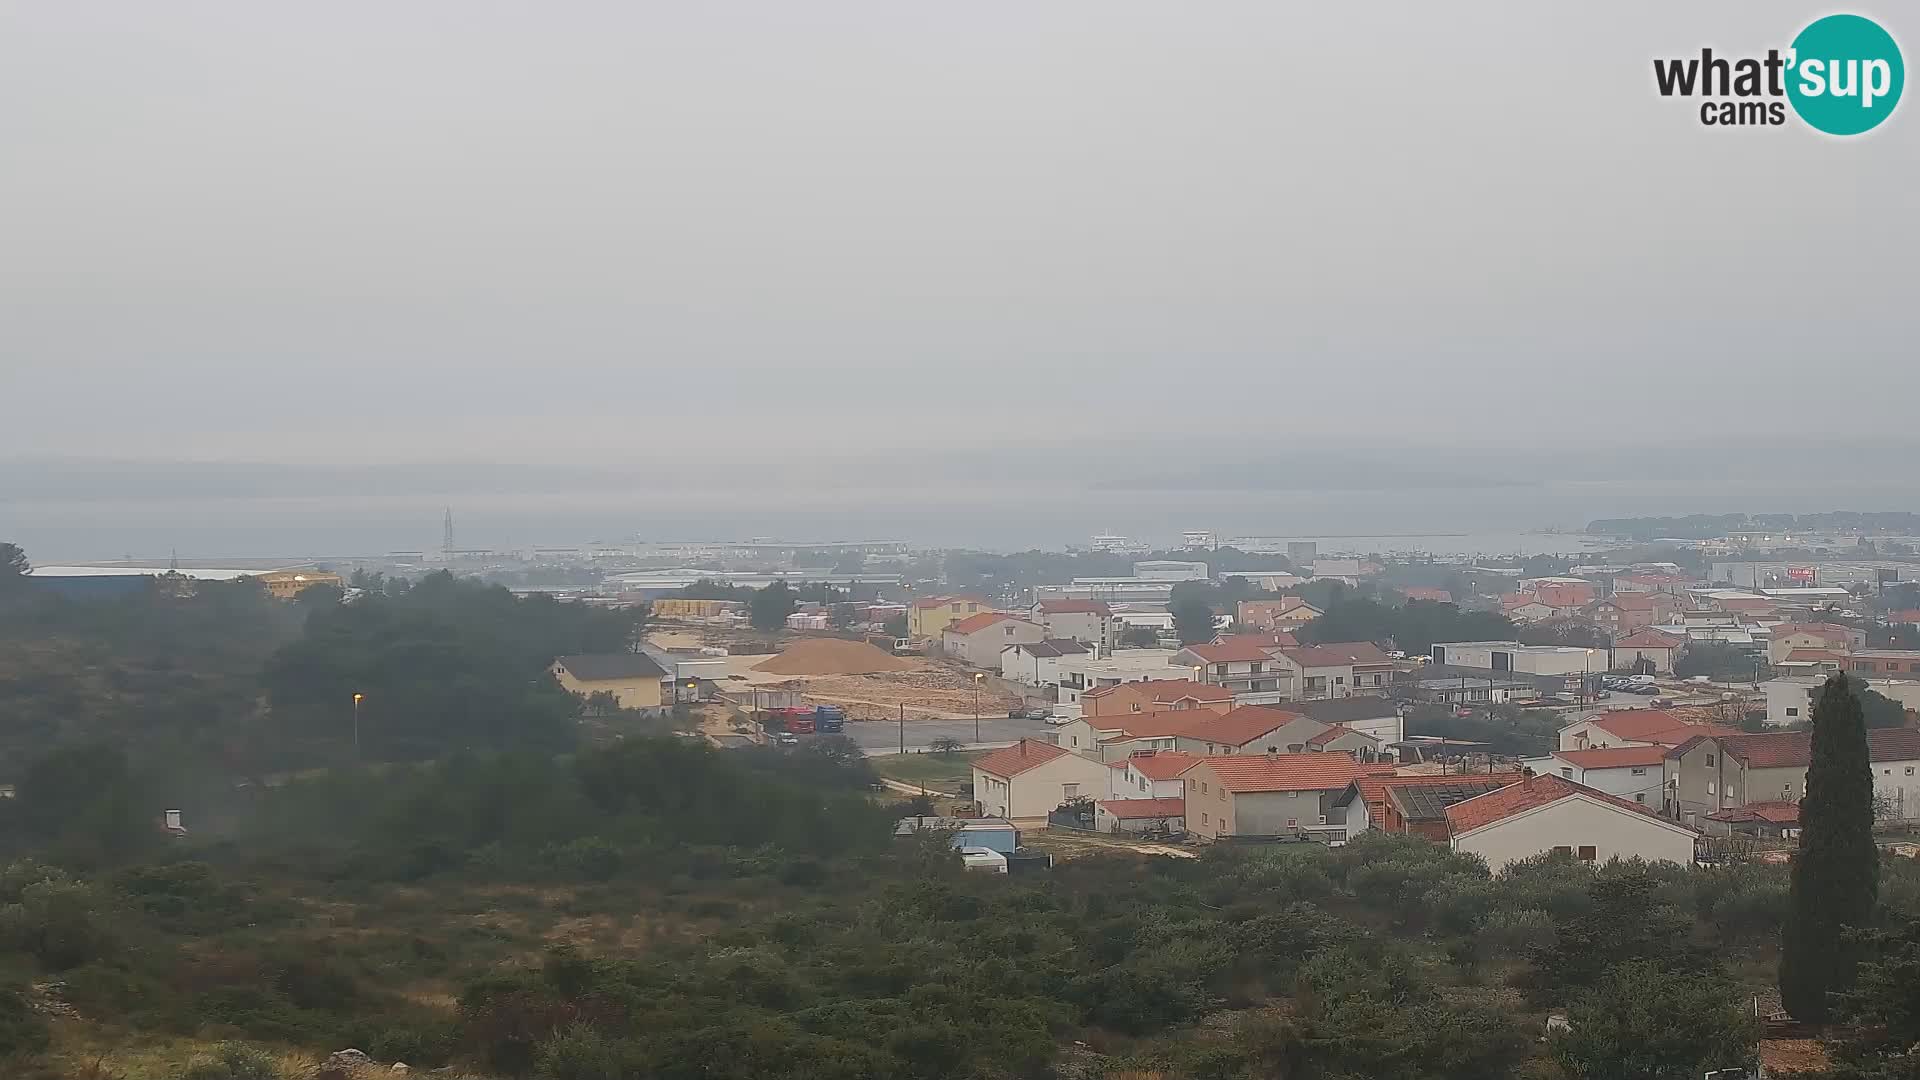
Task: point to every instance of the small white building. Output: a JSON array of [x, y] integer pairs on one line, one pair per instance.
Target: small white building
[[1026, 781], [977, 639], [1037, 663], [1634, 773], [1541, 814], [1527, 659]]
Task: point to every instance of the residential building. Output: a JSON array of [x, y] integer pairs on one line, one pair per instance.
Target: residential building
[[1624, 613], [1361, 745], [1527, 609], [1885, 663], [1710, 774], [1528, 659], [1027, 780], [1541, 814], [1170, 570], [1080, 674], [1037, 663], [1368, 714], [1288, 613], [1646, 652], [1089, 622], [1633, 727], [1141, 815], [1242, 664], [287, 584], [977, 639], [1817, 663], [1634, 773], [1829, 636], [1149, 774], [1415, 805], [1451, 684], [929, 616], [1270, 795], [680, 607], [634, 680], [1339, 669], [1154, 695], [1768, 820], [1250, 729], [1790, 700]]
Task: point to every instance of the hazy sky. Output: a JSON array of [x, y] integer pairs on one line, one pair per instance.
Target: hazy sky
[[461, 231]]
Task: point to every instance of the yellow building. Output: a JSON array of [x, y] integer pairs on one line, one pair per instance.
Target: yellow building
[[634, 680], [929, 616], [287, 584], [675, 607]]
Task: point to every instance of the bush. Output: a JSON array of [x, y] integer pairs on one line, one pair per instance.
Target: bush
[[23, 1032], [589, 857], [56, 921], [233, 1061]]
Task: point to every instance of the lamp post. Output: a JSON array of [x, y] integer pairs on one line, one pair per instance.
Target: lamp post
[[357, 699], [978, 677]]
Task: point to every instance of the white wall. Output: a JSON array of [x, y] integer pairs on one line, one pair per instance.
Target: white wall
[[1575, 822], [1020, 667], [1789, 701], [1897, 783], [1619, 781], [1034, 793]]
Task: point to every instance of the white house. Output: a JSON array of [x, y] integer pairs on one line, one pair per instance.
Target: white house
[[1633, 773], [1649, 650], [1369, 714], [1540, 814], [1527, 659], [1243, 665], [1089, 622], [1338, 669], [1249, 729], [977, 639], [1149, 775], [1037, 663], [1027, 780]]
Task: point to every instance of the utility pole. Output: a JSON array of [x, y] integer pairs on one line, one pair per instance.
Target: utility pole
[[977, 677], [357, 698], [903, 727]]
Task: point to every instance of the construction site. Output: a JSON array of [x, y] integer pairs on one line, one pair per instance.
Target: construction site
[[866, 681]]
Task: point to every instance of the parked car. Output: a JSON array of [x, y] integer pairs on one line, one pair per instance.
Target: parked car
[[1660, 702], [787, 738], [1059, 721], [1643, 690]]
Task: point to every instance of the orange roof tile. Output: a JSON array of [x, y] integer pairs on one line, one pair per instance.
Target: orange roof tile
[[1530, 792], [1239, 727], [1648, 639], [1135, 809], [1230, 651], [1011, 761], [1654, 726], [1165, 690], [975, 623], [1614, 757], [1242, 773], [1373, 786], [1160, 764]]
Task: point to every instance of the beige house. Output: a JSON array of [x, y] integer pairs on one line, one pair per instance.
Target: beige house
[[977, 640], [1829, 637], [1250, 729], [632, 678], [1647, 651], [1270, 795], [1707, 775], [1541, 814], [1027, 780], [929, 616]]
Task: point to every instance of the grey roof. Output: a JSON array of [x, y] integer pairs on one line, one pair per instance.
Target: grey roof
[[1341, 710], [1421, 802], [595, 667], [1053, 647], [907, 826]]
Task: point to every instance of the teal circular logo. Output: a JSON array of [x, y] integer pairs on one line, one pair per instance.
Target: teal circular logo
[[1845, 75]]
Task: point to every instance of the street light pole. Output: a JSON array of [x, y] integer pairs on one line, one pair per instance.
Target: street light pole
[[977, 677], [357, 698]]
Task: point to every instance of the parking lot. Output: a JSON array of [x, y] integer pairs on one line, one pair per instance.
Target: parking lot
[[884, 737]]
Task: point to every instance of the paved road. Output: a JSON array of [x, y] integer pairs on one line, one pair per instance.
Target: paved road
[[883, 736]]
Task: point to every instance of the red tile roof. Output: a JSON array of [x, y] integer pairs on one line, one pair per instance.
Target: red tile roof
[[975, 623], [1531, 792], [1230, 651], [1135, 809], [1011, 761], [1614, 757], [1241, 773], [1329, 735], [1071, 607], [1337, 654], [1631, 601], [1794, 749], [1904, 615], [1654, 726], [1813, 656], [1775, 813], [1164, 690], [1239, 727], [1146, 725], [1160, 764], [1648, 639]]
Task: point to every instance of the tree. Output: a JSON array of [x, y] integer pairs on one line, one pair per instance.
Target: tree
[[945, 745], [842, 616], [1836, 876], [1192, 612], [771, 606], [1139, 637], [1643, 1023], [897, 626]]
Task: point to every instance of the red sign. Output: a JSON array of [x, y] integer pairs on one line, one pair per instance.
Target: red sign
[[1800, 573]]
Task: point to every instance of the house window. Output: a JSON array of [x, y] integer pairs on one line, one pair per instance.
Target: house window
[[1562, 849], [1070, 790], [1588, 854], [1203, 817], [1203, 788], [1637, 772], [1792, 711], [1709, 761], [1710, 790], [1192, 784], [1293, 823], [1909, 770], [1640, 796], [1223, 794], [1339, 680], [1568, 773]]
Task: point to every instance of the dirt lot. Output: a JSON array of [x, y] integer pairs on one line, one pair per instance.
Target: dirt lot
[[1064, 844], [928, 688]]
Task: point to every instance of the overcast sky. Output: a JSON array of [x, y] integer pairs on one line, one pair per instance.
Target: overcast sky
[[460, 231]]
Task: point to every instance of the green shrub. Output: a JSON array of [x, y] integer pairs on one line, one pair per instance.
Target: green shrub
[[58, 922], [23, 1032], [233, 1061]]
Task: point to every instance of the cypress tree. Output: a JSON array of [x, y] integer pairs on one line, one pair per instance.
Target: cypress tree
[[1836, 875]]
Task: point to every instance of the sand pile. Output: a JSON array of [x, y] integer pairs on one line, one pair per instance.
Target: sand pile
[[832, 656]]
